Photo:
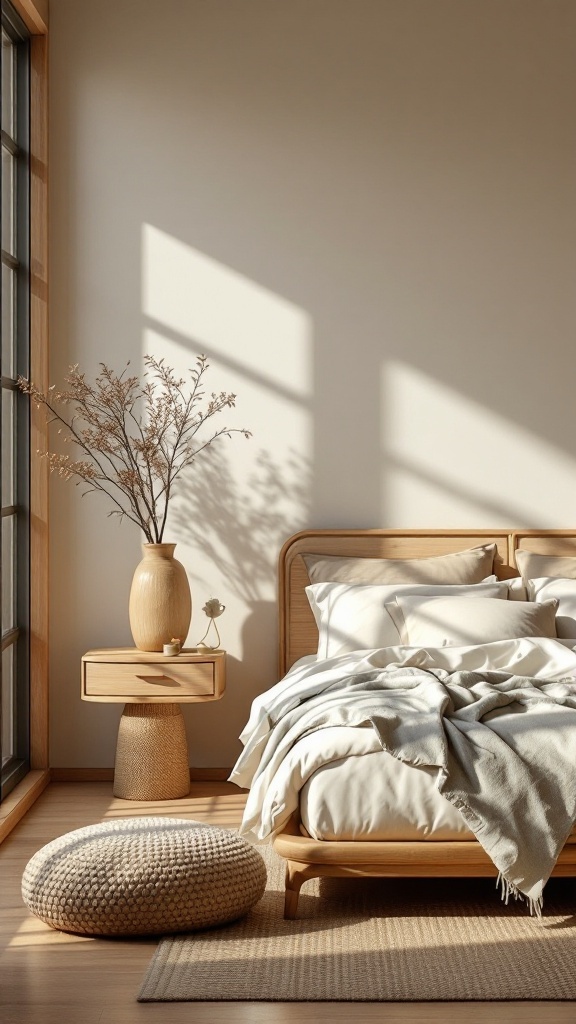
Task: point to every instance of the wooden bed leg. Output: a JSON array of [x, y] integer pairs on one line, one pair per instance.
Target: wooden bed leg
[[294, 880]]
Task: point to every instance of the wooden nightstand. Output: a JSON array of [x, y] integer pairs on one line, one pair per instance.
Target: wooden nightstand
[[152, 752]]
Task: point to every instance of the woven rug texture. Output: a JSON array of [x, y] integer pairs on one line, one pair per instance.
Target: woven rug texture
[[377, 940]]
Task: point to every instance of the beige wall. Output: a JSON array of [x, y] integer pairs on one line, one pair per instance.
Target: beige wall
[[364, 212]]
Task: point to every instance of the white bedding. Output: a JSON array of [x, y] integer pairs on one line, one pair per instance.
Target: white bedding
[[377, 797], [277, 772], [275, 785]]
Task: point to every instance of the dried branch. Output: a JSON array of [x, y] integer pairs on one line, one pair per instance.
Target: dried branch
[[136, 435]]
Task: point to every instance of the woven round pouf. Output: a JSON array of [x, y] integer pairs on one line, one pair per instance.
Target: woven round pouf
[[143, 876]]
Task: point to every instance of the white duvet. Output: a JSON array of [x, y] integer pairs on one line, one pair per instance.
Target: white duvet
[[276, 775], [377, 797]]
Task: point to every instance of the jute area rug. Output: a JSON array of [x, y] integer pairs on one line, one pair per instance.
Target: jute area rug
[[377, 940]]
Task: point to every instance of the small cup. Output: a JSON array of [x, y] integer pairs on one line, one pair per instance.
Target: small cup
[[171, 650]]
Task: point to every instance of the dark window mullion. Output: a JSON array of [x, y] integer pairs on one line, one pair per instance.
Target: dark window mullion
[[6, 728], [15, 639]]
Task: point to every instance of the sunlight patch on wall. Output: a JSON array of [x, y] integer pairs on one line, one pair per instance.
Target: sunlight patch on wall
[[451, 461], [240, 502], [237, 321]]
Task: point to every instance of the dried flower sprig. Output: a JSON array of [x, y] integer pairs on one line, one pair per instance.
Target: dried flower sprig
[[136, 436]]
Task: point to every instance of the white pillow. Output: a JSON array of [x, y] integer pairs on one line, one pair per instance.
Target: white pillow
[[564, 592], [516, 589], [465, 622], [353, 618]]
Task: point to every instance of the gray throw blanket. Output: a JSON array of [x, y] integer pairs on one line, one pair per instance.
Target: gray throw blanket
[[504, 747]]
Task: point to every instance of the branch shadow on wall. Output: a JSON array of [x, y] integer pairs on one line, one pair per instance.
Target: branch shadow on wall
[[240, 525]]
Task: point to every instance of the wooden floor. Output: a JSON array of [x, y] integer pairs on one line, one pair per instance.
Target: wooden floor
[[47, 977]]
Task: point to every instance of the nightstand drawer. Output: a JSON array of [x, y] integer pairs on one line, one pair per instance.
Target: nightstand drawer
[[171, 680]]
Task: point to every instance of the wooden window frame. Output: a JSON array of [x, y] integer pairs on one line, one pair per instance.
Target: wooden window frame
[[34, 14]]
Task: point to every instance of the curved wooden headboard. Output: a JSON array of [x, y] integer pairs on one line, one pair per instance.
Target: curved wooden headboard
[[298, 634]]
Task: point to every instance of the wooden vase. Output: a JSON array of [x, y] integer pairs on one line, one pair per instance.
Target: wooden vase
[[160, 602]]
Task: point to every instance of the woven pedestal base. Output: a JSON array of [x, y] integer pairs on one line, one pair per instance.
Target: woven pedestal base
[[151, 753]]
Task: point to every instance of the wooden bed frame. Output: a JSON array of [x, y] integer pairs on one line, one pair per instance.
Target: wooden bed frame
[[310, 858]]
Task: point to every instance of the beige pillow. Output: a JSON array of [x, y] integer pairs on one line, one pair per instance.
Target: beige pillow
[[534, 567], [470, 566], [467, 621]]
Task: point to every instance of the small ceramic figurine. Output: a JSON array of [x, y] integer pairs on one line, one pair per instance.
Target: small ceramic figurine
[[213, 609]]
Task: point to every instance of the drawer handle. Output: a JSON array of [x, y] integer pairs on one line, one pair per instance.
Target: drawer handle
[[155, 679]]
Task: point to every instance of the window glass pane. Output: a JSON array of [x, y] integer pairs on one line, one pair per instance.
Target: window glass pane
[[8, 703], [8, 286], [8, 467], [8, 573], [7, 84], [8, 186]]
